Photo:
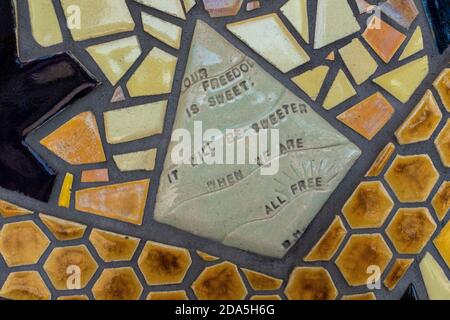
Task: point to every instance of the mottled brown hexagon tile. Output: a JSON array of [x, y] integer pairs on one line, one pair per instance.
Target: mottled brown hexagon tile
[[112, 246], [311, 283], [381, 160], [22, 243], [168, 295], [442, 85], [163, 264], [9, 210], [442, 144], [411, 229], [329, 243], [360, 252], [220, 282], [368, 206], [441, 200], [412, 177], [61, 261], [360, 296], [63, 230], [25, 285], [262, 282], [117, 284], [397, 272]]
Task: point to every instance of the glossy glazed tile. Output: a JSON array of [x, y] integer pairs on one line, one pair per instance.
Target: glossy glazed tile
[[253, 5], [360, 296], [44, 23], [442, 144], [311, 283], [118, 95], [363, 6], [369, 116], [262, 282], [140, 160], [269, 37], [124, 202], [441, 200], [412, 177], [442, 85], [312, 81], [397, 272], [65, 195], [95, 175], [9, 210], [189, 4], [436, 282], [414, 45], [441, 243], [222, 8], [63, 230], [266, 298], [172, 7], [360, 252], [206, 257], [331, 56], [117, 284], [411, 229], [381, 161], [296, 11], [74, 298], [162, 30], [340, 91], [168, 296], [404, 12], [25, 285], [329, 243], [112, 246]]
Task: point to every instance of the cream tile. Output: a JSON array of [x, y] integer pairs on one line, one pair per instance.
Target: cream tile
[[44, 23], [296, 11], [172, 7], [189, 4], [142, 160], [436, 282], [162, 30]]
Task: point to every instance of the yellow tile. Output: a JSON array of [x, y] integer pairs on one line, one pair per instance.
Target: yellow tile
[[331, 56], [112, 246], [358, 61], [74, 298], [436, 282], [98, 18], [442, 144], [296, 11], [66, 191], [442, 243], [442, 85], [311, 283], [206, 257], [381, 160], [9, 210], [404, 81], [142, 160], [154, 76], [44, 23], [116, 57], [441, 201], [360, 296], [189, 4], [25, 285], [168, 296], [265, 298], [311, 81], [341, 90], [133, 123], [414, 45], [63, 230], [262, 282], [172, 7], [269, 37], [162, 30], [117, 284], [397, 272]]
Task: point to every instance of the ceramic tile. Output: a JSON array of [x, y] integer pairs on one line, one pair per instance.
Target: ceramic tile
[[222, 8], [340, 91], [363, 6], [168, 296], [154, 76], [331, 14], [25, 285], [262, 282], [187, 203], [95, 175], [404, 12], [404, 81], [421, 122], [441, 243], [61, 259], [206, 257], [384, 39], [65, 195], [220, 282], [312, 81], [189, 4], [265, 298], [117, 284], [397, 272], [329, 243], [116, 57], [442, 144], [411, 229], [124, 202], [311, 283], [77, 141], [360, 252], [369, 116], [172, 7], [63, 230], [162, 30], [112, 246], [141, 160], [9, 210], [74, 298], [414, 45], [253, 5], [410, 293], [22, 243], [99, 18], [134, 123], [441, 200], [381, 161], [163, 264], [296, 11], [442, 85], [360, 296], [44, 23], [118, 95], [269, 37], [436, 282], [412, 177], [331, 56], [369, 206], [358, 61]]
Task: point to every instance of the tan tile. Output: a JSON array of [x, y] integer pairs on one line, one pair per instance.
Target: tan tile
[[25, 285], [112, 246], [442, 144], [220, 8], [44, 23], [262, 282], [9, 210], [63, 230], [95, 175], [189, 4], [134, 161], [311, 283], [397, 272], [382, 159], [312, 81], [442, 85], [441, 200], [340, 91], [404, 12], [118, 95], [441, 242], [358, 61], [117, 284], [172, 7], [253, 5]]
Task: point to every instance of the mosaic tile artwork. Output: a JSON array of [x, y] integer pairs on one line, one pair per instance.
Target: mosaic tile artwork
[[95, 94]]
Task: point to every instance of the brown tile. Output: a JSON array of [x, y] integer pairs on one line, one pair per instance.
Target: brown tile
[[397, 272], [311, 283], [442, 85], [441, 200], [96, 175], [112, 246], [360, 296], [266, 298], [404, 12], [168, 295], [74, 298], [206, 257], [442, 241], [222, 8], [63, 230], [382, 159], [262, 282], [442, 144], [117, 284], [9, 210], [26, 285]]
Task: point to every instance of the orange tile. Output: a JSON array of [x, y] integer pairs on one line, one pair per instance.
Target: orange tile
[[381, 160], [96, 175], [9, 210]]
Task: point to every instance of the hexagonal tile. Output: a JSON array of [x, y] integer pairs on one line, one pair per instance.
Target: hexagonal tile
[[61, 260], [411, 229], [442, 144], [220, 282], [441, 200], [369, 206], [442, 85], [412, 177], [262, 282], [22, 243], [117, 284], [361, 252], [163, 264], [27, 285], [312, 283], [112, 246]]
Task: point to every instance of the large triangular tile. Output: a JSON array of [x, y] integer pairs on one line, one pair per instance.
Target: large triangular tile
[[436, 282], [296, 11]]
